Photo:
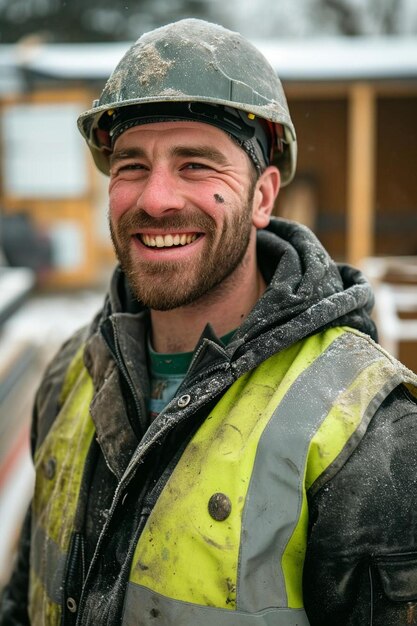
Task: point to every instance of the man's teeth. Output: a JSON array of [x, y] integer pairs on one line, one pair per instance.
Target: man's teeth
[[167, 241]]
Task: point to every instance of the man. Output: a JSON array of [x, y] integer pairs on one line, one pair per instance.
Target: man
[[225, 444]]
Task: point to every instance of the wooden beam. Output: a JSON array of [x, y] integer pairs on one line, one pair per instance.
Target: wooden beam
[[361, 173]]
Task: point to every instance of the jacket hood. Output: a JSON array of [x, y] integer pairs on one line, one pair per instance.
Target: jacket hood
[[307, 291]]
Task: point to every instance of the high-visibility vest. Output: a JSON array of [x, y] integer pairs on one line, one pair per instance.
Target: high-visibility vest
[[226, 540]]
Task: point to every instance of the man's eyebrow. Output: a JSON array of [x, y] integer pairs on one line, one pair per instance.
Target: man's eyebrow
[[189, 152], [126, 153], [200, 152]]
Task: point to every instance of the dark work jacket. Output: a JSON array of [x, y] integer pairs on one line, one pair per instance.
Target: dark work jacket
[[361, 562]]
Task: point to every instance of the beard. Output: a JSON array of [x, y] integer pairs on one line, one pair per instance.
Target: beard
[[163, 285]]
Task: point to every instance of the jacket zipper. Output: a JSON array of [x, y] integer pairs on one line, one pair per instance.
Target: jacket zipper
[[371, 596], [76, 550]]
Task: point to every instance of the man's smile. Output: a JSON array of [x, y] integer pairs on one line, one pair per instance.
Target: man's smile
[[167, 241]]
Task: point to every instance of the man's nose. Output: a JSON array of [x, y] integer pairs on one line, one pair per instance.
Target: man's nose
[[161, 193]]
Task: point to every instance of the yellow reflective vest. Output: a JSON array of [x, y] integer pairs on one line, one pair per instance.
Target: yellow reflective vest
[[226, 540]]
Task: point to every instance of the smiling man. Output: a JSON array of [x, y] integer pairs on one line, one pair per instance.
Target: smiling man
[[225, 443]]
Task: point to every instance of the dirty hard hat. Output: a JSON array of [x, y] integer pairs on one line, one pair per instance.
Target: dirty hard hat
[[195, 70]]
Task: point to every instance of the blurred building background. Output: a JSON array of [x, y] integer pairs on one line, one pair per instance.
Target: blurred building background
[[349, 68]]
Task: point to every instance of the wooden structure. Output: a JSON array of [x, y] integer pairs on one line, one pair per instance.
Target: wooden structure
[[358, 147]]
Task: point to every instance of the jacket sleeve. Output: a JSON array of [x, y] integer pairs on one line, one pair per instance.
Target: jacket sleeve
[[14, 600], [361, 562]]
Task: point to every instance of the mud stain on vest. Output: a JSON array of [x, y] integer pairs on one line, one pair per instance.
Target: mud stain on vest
[[231, 592]]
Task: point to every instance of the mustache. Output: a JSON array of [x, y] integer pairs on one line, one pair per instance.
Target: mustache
[[140, 219]]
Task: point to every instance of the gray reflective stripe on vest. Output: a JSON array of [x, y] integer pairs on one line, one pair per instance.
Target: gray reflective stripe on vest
[[145, 607], [47, 552], [260, 578]]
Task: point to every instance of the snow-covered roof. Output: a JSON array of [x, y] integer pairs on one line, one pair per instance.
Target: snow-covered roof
[[343, 58], [334, 58]]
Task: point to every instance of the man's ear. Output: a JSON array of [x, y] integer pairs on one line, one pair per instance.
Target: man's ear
[[266, 191]]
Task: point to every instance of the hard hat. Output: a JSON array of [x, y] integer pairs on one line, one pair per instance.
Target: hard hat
[[219, 76]]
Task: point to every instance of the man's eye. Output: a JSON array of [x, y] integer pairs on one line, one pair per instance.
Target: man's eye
[[131, 166], [196, 166], [127, 167]]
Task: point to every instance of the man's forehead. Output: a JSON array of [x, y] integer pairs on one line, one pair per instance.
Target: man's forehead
[[188, 129]]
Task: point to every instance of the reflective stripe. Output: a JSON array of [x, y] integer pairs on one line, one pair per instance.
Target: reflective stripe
[[278, 473], [51, 567], [147, 608]]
